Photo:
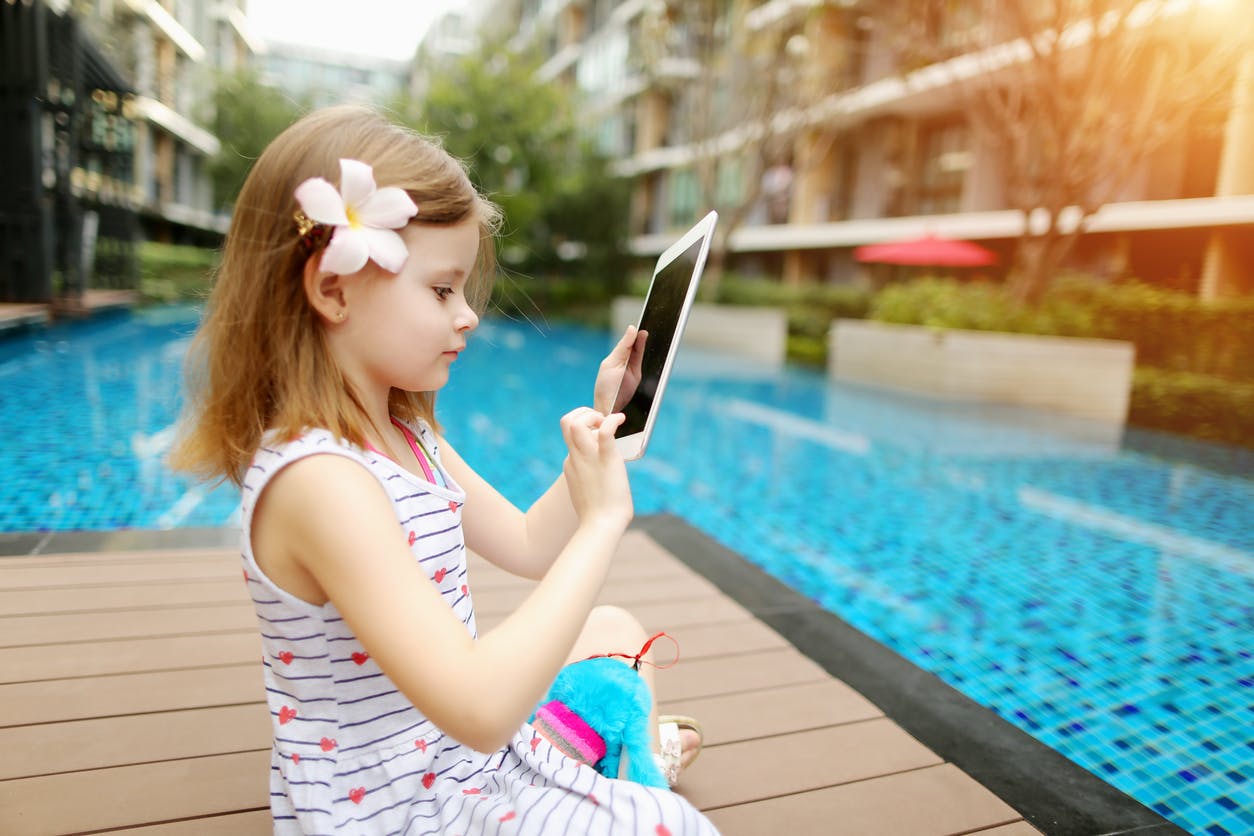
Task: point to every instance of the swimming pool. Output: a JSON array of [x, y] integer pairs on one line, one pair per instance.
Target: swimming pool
[[1096, 592]]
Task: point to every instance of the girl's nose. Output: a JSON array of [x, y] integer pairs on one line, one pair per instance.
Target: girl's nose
[[468, 320]]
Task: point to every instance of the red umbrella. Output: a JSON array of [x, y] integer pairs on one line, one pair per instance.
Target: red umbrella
[[928, 251]]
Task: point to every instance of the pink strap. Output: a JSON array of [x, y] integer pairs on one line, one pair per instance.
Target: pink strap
[[419, 453]]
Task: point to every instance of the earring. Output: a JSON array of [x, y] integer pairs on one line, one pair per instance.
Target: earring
[[339, 317]]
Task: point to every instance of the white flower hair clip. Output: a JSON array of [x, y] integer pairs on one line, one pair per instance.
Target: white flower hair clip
[[362, 218]]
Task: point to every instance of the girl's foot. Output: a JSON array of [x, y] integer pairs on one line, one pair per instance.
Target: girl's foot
[[681, 738]]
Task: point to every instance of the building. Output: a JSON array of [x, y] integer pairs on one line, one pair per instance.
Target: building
[[864, 152], [171, 51], [318, 77], [106, 104], [453, 34], [67, 211]]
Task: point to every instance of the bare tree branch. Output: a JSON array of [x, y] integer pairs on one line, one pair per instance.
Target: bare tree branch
[[1097, 87]]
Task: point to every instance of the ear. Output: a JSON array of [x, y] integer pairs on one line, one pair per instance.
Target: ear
[[325, 291]]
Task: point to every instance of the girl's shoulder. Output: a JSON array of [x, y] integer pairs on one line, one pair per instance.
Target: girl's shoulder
[[311, 441], [276, 452]]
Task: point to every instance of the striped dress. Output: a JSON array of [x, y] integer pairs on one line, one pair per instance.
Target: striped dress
[[352, 755]]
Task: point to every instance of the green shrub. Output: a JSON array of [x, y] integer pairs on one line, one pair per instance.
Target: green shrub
[[844, 301], [1171, 330], [1195, 360], [810, 309], [807, 350], [174, 272], [1203, 406]]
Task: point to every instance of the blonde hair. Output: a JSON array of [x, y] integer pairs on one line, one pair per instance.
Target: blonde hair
[[260, 360]]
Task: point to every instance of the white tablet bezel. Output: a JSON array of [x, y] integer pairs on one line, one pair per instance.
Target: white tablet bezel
[[632, 446]]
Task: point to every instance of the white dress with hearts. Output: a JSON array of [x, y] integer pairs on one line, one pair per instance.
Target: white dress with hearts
[[353, 755]]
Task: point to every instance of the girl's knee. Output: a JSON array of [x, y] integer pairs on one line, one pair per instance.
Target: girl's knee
[[609, 629], [616, 626]]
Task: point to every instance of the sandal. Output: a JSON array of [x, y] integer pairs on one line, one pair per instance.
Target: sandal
[[669, 760]]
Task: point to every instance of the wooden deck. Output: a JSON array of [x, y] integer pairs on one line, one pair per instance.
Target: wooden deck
[[131, 701], [18, 314]]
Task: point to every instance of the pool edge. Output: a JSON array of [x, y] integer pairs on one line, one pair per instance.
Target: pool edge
[[1051, 792], [30, 543]]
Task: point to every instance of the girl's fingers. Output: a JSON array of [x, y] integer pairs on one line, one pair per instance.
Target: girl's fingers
[[621, 350], [580, 428], [610, 426]]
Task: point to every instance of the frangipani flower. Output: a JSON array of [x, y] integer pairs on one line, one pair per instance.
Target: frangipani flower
[[364, 218]]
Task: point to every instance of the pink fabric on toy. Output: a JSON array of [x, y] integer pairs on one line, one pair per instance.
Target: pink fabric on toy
[[567, 731]]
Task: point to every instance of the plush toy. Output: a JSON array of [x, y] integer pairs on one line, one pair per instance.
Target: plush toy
[[596, 711]]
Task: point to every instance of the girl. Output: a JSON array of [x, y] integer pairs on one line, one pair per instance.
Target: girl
[[335, 317]]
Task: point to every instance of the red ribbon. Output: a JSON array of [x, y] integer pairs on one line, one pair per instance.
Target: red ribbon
[[638, 659]]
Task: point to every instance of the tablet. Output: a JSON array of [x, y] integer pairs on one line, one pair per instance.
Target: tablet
[[672, 291]]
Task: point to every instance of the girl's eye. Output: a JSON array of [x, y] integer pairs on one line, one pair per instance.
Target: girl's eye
[[443, 292]]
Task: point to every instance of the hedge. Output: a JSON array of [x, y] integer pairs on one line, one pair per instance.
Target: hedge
[[1171, 330], [174, 272], [1203, 406], [810, 309]]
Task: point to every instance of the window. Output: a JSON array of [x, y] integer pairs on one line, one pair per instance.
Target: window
[[681, 198], [944, 162]]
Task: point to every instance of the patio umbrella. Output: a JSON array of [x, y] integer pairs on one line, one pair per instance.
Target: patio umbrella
[[928, 251]]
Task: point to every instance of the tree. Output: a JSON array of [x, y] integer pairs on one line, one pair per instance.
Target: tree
[[564, 212], [745, 83], [248, 114], [1074, 96]]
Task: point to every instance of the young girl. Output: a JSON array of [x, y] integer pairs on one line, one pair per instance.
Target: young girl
[[336, 316]]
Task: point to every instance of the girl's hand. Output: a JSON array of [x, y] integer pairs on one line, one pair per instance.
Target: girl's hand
[[619, 374], [596, 475]]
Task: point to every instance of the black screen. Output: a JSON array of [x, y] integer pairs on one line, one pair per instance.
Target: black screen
[[659, 321]]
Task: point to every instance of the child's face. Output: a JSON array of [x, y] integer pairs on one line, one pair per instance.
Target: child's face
[[405, 330]]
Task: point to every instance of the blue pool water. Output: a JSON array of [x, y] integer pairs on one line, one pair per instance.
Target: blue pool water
[[1094, 590]]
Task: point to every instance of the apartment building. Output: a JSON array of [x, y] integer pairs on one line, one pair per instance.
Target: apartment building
[[321, 77], [171, 50], [870, 153], [105, 106]]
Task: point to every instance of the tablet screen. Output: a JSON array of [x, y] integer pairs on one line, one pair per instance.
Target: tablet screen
[[660, 321]]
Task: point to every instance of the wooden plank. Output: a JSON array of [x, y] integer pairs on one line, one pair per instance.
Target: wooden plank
[[1019, 828], [256, 823], [55, 701], [728, 638], [126, 796], [165, 557], [734, 674], [114, 572], [754, 770], [19, 630], [728, 718], [936, 801], [83, 659], [52, 748], [47, 600]]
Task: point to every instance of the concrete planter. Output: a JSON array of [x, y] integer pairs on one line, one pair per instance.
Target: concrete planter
[[755, 333], [1083, 377]]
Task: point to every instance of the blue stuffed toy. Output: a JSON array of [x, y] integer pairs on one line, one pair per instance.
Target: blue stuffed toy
[[597, 710]]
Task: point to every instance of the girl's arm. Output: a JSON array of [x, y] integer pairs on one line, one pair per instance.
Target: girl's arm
[[526, 544], [335, 523]]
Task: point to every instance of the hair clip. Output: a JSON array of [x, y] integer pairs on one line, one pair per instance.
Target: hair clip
[[362, 220], [312, 234]]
